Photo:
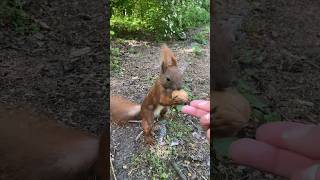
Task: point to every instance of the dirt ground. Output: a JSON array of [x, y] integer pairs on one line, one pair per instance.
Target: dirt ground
[[141, 64], [277, 54], [59, 69]]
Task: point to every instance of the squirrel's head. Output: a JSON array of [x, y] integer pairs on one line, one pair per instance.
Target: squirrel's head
[[170, 76]]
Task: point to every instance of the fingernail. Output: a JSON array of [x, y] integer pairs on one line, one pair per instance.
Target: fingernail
[[207, 116], [296, 133]]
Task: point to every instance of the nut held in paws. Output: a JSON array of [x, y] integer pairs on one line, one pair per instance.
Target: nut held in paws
[[180, 95]]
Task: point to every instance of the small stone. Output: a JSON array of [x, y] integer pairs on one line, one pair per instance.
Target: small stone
[[85, 17], [124, 167], [135, 77], [79, 52], [193, 177], [306, 103], [44, 25], [174, 143], [274, 34], [269, 176], [189, 174], [40, 44], [39, 36], [196, 135]]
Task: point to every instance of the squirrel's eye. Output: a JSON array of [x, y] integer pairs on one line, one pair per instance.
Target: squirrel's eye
[[168, 79]]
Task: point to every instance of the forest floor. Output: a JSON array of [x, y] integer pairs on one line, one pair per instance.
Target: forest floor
[[186, 145], [52, 59], [277, 65]]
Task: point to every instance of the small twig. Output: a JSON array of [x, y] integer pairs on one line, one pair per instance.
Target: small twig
[[134, 121], [313, 64], [112, 169], [40, 23], [196, 172], [139, 135], [295, 87], [130, 172], [178, 170], [201, 175]]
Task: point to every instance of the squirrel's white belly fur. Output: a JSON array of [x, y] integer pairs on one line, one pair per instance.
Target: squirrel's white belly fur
[[157, 111]]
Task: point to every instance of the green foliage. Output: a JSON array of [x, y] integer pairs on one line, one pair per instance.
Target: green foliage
[[252, 56], [200, 38], [196, 49], [115, 59], [254, 101], [272, 117], [112, 34], [178, 129], [159, 18], [189, 91], [13, 14], [126, 25], [159, 166], [261, 110], [154, 160], [222, 145]]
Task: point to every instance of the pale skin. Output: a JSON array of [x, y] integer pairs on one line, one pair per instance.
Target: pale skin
[[287, 149], [200, 109]]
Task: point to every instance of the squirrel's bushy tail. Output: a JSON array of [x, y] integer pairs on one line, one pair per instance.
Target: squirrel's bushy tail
[[123, 110], [100, 167]]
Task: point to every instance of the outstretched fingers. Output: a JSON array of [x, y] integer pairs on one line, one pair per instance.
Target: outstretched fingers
[[269, 158], [296, 137], [197, 108]]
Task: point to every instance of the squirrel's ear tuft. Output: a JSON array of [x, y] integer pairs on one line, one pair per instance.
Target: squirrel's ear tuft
[[173, 60], [167, 58], [163, 68]]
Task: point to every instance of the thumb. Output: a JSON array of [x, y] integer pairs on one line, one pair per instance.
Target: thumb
[[310, 173]]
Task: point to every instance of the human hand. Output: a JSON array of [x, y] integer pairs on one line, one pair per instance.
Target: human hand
[[201, 109], [287, 149]]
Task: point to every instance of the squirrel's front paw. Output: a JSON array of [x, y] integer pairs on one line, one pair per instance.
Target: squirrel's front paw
[[149, 140]]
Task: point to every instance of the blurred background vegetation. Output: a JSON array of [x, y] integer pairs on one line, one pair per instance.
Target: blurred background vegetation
[[14, 16], [157, 19]]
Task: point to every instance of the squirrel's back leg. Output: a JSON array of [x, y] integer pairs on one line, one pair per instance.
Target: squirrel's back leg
[[147, 123]]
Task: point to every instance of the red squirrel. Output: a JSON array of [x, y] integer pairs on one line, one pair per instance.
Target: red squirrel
[[35, 147], [232, 110], [166, 91]]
